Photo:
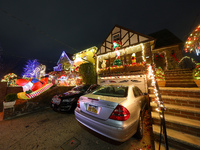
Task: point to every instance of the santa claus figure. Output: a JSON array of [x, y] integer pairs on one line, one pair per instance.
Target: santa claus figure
[[32, 84]]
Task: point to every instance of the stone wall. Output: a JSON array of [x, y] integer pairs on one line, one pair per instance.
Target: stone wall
[[42, 101]]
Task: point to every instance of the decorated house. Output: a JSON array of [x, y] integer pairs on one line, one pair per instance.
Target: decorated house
[[167, 51], [124, 54], [124, 51], [64, 62]]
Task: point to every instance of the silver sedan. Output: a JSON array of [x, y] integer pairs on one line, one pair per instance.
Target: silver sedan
[[114, 111]]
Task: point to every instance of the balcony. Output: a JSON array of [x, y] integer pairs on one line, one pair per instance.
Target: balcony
[[122, 70]]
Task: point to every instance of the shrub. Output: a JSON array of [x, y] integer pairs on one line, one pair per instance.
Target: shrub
[[87, 71], [160, 75], [11, 97]]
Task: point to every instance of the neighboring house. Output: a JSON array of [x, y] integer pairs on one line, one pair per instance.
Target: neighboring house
[[167, 51], [64, 62]]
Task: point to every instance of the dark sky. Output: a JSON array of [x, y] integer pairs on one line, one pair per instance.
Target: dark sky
[[81, 24]]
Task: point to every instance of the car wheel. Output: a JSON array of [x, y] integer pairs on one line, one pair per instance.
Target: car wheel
[[139, 133]]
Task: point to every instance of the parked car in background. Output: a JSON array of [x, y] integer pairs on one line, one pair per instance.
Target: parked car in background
[[68, 100], [114, 111]]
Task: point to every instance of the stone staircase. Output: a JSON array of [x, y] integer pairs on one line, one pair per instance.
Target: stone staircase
[[179, 78], [182, 115]]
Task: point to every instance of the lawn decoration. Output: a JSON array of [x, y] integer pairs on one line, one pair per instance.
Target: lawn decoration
[[117, 44], [193, 42], [103, 65], [34, 69], [133, 58], [117, 61], [32, 87]]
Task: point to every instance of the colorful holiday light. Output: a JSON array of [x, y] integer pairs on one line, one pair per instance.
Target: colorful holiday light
[[193, 42], [30, 67]]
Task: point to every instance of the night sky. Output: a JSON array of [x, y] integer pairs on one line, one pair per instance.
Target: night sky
[[42, 29]]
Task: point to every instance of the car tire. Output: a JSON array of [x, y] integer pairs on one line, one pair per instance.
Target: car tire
[[139, 133]]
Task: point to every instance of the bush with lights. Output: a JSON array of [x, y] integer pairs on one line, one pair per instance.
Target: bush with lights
[[160, 75], [196, 72], [10, 79]]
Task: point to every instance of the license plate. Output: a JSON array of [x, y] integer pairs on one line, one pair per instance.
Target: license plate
[[92, 109]]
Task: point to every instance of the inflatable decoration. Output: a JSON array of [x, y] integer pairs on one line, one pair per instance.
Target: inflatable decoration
[[32, 87]]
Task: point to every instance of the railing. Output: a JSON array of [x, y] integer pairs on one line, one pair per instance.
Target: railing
[[160, 106], [123, 69]]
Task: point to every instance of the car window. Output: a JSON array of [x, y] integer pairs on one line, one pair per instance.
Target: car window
[[137, 92], [112, 91], [92, 88]]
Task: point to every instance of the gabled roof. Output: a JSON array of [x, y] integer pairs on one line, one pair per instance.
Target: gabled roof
[[165, 38], [128, 38], [63, 58]]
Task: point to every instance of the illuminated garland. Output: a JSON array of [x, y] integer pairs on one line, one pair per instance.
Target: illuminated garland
[[128, 50], [193, 42], [158, 100]]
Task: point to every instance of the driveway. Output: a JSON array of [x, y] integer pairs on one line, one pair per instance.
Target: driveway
[[50, 130]]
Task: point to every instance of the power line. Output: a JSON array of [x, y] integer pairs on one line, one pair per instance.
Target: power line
[[35, 29]]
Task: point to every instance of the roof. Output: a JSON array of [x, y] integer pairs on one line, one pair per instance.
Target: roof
[[127, 37], [64, 57], [165, 38]]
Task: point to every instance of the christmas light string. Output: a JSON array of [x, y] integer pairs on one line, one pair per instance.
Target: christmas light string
[[160, 107]]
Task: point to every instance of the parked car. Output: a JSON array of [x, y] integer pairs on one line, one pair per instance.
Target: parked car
[[114, 111], [68, 100]]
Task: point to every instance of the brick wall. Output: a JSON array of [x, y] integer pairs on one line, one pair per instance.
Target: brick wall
[[3, 88]]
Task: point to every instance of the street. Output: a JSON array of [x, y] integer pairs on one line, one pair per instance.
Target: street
[[47, 129]]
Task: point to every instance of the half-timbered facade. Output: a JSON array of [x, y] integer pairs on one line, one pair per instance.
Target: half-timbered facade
[[124, 52]]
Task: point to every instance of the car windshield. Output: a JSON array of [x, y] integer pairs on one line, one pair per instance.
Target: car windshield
[[78, 88], [82, 88], [112, 91]]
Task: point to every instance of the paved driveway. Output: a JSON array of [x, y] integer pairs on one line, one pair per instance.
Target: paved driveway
[[49, 130]]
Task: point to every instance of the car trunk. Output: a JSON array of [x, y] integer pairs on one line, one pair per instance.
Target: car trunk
[[99, 106]]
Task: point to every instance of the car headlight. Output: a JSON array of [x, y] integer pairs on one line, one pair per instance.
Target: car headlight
[[68, 100]]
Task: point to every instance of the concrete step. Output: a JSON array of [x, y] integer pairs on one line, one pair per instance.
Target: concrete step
[[179, 100], [189, 126], [179, 78], [180, 108], [178, 73], [183, 84], [180, 81], [162, 147], [178, 91], [178, 139], [174, 70], [181, 111]]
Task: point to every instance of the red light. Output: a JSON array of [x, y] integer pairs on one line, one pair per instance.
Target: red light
[[78, 105], [120, 113]]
